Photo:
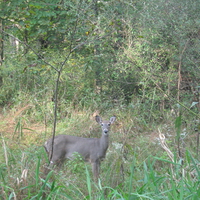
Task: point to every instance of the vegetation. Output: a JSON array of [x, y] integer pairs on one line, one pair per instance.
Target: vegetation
[[63, 62]]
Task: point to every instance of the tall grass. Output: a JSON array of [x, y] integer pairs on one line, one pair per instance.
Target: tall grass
[[180, 183], [136, 167]]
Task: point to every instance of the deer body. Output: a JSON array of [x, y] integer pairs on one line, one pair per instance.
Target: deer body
[[92, 150]]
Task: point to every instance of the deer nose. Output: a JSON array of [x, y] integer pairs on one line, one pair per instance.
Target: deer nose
[[105, 130]]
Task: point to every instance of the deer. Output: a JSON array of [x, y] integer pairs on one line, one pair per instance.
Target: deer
[[92, 150]]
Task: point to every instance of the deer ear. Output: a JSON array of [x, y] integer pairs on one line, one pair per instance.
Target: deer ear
[[98, 119], [112, 119]]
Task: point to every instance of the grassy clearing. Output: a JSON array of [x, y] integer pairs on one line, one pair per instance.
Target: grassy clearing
[[137, 166]]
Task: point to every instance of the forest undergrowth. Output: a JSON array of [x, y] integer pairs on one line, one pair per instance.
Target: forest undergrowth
[[62, 63], [144, 161]]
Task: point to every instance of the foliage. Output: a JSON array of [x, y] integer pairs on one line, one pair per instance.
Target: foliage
[[136, 59], [124, 52]]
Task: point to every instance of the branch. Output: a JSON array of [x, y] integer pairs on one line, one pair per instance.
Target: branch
[[58, 79], [27, 45]]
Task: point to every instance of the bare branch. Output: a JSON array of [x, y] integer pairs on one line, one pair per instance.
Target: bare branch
[[27, 45]]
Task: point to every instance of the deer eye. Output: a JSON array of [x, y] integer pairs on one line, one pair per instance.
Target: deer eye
[[109, 124], [101, 124]]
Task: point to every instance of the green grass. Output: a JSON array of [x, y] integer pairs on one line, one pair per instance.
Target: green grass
[[136, 166], [173, 183]]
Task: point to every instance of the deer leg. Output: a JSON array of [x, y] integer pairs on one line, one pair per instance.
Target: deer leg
[[95, 169]]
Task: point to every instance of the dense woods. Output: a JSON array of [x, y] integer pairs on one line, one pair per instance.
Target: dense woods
[[62, 61]]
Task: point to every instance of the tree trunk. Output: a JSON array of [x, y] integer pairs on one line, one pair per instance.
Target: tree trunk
[[1, 48]]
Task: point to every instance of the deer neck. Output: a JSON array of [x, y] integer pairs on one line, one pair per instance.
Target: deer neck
[[104, 141]]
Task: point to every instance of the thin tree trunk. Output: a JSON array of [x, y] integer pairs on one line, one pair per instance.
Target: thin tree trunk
[[98, 83], [1, 48], [179, 73]]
